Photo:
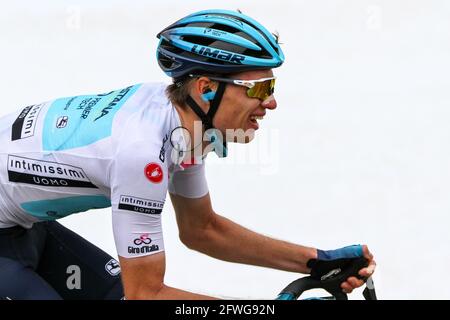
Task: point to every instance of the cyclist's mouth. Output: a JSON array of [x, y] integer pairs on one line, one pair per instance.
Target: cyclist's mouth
[[254, 121]]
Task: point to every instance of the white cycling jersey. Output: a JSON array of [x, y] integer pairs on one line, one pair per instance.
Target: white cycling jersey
[[115, 149]]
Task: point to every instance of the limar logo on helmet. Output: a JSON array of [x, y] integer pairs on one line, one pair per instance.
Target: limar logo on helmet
[[154, 172], [218, 54]]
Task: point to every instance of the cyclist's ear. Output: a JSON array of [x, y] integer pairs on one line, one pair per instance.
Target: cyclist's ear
[[204, 85]]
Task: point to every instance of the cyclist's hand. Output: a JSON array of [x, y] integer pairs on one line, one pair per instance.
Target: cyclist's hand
[[353, 282], [327, 261]]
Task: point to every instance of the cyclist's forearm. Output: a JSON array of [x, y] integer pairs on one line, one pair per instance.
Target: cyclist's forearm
[[229, 241], [167, 293], [176, 294]]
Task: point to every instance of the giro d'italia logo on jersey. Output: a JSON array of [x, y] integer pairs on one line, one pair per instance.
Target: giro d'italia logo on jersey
[[46, 173], [25, 123], [140, 205], [143, 245], [154, 172]]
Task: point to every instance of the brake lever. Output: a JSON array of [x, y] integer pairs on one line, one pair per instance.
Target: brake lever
[[369, 292]]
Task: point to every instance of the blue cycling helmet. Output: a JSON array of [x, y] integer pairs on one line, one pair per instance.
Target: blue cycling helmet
[[217, 41]]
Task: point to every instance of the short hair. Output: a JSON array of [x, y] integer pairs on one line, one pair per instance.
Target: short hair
[[179, 90]]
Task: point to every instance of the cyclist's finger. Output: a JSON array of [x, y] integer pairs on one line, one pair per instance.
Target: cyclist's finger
[[368, 271], [367, 254], [346, 287], [355, 283]]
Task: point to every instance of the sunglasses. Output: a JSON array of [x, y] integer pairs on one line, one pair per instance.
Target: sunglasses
[[260, 89]]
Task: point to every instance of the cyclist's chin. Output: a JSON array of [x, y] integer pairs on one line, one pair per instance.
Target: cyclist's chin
[[242, 136]]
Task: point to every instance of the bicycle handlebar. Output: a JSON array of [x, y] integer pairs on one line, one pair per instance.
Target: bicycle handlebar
[[331, 283]]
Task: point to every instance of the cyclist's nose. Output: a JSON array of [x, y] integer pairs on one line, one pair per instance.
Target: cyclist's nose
[[270, 103]]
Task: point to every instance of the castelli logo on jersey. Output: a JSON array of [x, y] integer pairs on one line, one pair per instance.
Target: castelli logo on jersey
[[154, 172]]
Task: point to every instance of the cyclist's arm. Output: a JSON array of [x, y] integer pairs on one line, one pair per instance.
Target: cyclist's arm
[[143, 279], [203, 230], [137, 204]]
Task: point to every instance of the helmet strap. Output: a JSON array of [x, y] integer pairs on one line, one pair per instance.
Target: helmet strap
[[207, 118], [214, 105]]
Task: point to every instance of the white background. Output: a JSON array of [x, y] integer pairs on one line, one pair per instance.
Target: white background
[[357, 151]]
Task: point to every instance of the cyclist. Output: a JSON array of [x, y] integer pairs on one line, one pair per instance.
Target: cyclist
[[125, 149]]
